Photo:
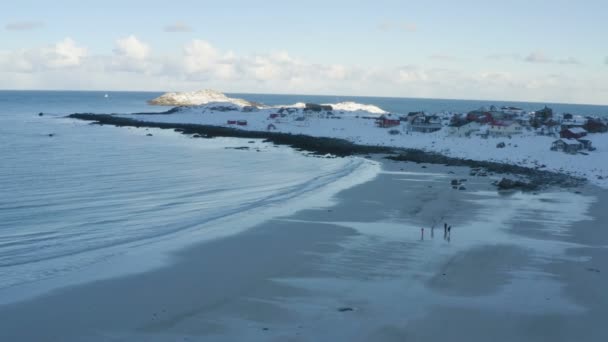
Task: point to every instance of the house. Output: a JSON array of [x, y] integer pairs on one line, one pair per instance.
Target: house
[[569, 121], [463, 128], [587, 144], [512, 110], [550, 128], [504, 129], [481, 116], [242, 122], [573, 133], [595, 126], [567, 145], [385, 122], [425, 124], [544, 114], [231, 122]]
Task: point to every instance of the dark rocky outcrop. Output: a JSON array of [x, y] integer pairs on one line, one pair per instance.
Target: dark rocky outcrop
[[316, 145], [537, 178], [509, 184], [340, 147]]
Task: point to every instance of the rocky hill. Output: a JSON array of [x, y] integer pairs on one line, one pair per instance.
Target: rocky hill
[[196, 98]]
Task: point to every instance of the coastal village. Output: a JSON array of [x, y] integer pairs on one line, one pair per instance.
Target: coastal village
[[542, 139]]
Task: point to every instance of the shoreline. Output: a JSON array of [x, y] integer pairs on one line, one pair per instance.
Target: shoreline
[[355, 270], [537, 179], [317, 188]]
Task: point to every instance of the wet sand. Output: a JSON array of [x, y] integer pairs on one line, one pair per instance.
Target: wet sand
[[516, 267]]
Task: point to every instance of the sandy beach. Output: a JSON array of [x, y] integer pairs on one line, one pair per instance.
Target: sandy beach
[[515, 267]]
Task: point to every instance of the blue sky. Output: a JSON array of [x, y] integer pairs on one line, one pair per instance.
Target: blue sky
[[515, 50]]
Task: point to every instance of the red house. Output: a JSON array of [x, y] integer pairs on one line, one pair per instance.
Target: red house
[[232, 122], [573, 133], [480, 117], [242, 122], [385, 122]]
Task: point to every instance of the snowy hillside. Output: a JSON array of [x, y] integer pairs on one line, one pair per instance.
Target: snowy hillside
[[195, 98], [358, 126]]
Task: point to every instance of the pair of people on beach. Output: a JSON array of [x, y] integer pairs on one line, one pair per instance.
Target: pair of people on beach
[[446, 229]]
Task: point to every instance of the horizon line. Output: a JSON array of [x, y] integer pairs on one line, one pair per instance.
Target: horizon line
[[331, 95]]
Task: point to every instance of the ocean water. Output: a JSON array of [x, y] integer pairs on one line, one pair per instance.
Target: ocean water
[[92, 198], [406, 105], [87, 201]]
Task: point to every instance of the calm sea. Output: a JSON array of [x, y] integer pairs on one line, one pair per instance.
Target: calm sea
[[64, 102], [81, 201]]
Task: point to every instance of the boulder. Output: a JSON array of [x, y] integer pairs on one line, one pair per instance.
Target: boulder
[[509, 184]]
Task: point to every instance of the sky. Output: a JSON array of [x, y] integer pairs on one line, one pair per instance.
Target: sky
[[533, 50]]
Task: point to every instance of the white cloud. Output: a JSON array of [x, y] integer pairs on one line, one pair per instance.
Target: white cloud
[[131, 47], [337, 72], [130, 55], [411, 74], [24, 25], [63, 54], [133, 65], [178, 27], [200, 57]]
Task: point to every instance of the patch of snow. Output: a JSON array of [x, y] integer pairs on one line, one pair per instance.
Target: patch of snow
[[196, 98], [353, 106], [526, 149]]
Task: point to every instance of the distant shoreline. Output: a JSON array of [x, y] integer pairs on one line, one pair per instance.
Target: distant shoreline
[[536, 179]]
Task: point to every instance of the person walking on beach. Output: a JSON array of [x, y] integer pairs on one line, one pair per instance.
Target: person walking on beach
[[445, 230]]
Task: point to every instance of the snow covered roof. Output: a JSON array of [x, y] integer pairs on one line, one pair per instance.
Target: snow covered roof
[[569, 141], [577, 130]]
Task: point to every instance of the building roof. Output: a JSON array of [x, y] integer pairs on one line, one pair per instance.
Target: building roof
[[571, 142], [504, 123], [577, 130]]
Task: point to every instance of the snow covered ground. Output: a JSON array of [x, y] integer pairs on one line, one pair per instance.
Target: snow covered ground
[[354, 122]]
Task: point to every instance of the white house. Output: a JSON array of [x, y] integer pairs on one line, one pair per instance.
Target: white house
[[464, 129], [512, 110], [425, 124], [504, 129]]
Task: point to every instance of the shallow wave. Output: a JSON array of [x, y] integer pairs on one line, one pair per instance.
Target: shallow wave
[[92, 193]]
